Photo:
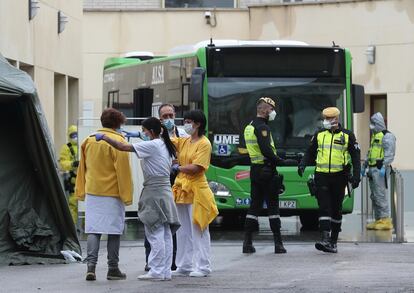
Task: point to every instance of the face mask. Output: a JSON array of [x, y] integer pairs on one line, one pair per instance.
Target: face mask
[[119, 130], [327, 124], [188, 127], [371, 126], [272, 115], [73, 137], [169, 124], [144, 137]]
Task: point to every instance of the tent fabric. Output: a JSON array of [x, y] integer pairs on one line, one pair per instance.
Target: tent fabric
[[35, 222]]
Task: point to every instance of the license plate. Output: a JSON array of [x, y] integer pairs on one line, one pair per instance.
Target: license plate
[[284, 204], [287, 204]]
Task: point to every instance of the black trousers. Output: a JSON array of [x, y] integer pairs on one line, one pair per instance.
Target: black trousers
[[330, 192], [263, 189]]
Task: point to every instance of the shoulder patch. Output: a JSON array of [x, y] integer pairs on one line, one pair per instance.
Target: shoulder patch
[[264, 133]]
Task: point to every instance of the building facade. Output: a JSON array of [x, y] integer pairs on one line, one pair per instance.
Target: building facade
[[30, 39]]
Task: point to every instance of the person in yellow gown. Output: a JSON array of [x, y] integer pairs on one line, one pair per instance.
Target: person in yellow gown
[[195, 202]]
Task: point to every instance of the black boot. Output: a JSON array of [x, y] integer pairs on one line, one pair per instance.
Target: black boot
[[90, 274], [115, 274], [277, 237], [248, 243], [325, 243], [334, 240]]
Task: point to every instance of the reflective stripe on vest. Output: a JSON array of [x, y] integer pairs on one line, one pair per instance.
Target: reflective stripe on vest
[[376, 150], [332, 152], [256, 156]]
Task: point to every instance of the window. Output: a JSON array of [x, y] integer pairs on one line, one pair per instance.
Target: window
[[199, 3]]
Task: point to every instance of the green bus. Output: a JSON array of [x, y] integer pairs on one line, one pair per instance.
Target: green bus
[[225, 79]]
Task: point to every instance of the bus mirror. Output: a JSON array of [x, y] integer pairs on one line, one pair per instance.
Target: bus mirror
[[358, 98], [196, 84]]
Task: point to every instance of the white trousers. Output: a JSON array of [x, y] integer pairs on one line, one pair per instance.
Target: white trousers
[[160, 257], [193, 245]]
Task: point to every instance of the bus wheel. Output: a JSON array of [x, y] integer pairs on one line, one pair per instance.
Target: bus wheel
[[309, 221]]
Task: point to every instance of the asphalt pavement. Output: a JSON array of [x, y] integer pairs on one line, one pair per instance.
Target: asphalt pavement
[[358, 267]]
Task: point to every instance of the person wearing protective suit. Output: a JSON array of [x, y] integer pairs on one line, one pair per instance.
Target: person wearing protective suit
[[378, 162], [68, 161], [332, 148], [264, 182]]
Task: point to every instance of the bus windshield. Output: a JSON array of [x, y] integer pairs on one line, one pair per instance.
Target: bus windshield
[[232, 105]]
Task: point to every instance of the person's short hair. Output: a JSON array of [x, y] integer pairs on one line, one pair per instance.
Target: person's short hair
[[112, 118], [198, 117], [165, 105]]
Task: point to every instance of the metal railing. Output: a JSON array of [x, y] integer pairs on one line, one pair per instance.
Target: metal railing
[[396, 195]]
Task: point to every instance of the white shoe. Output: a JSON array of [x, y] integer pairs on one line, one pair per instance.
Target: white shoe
[[198, 274], [149, 277], [180, 273]]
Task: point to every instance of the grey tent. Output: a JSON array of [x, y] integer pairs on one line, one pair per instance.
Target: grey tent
[[35, 222]]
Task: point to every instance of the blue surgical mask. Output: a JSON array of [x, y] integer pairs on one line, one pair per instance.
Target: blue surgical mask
[[119, 130], [169, 124], [144, 137], [188, 127]]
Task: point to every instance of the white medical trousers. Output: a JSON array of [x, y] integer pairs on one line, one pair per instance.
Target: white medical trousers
[[193, 245], [160, 257]]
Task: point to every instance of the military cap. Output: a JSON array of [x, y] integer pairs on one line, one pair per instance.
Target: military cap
[[268, 101], [331, 112]]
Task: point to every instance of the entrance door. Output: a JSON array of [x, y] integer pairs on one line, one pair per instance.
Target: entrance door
[[143, 99], [379, 104]]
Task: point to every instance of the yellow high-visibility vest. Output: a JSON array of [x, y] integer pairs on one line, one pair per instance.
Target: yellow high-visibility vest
[[256, 156], [333, 153], [376, 150]]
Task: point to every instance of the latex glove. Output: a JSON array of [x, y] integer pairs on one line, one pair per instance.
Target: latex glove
[[355, 182], [129, 134], [382, 171], [75, 164], [363, 171], [99, 136], [301, 169], [175, 169]]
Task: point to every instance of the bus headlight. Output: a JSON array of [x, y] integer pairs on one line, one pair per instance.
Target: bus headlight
[[219, 189]]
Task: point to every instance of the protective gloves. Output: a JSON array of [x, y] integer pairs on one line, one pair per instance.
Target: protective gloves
[[355, 182], [129, 134], [301, 169], [99, 136], [382, 171], [363, 171], [175, 169]]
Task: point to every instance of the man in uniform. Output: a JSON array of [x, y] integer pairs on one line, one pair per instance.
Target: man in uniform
[[380, 156], [68, 161], [263, 175], [332, 147]]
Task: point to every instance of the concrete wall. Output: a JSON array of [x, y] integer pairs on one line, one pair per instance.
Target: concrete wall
[[387, 24], [36, 47]]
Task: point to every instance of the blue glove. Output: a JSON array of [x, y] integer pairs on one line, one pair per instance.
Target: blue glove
[[175, 168], [363, 171], [99, 136], [382, 171], [129, 134]]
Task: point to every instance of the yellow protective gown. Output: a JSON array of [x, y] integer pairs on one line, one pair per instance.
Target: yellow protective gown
[[66, 160], [194, 189]]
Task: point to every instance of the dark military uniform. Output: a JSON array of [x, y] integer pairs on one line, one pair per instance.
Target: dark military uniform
[[264, 183]]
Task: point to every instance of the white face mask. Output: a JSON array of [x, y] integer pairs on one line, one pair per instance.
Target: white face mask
[[188, 127], [272, 115], [371, 126], [327, 124]]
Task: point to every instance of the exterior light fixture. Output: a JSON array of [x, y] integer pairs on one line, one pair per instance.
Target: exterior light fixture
[[62, 20], [370, 53], [33, 7]]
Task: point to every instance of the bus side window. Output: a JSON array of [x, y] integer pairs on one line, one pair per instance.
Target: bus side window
[[143, 100], [113, 99], [184, 99]]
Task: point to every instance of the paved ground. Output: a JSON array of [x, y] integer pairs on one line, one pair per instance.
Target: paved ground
[[358, 267]]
